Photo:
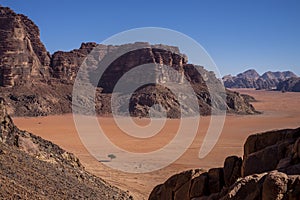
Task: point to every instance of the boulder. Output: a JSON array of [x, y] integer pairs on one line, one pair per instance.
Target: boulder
[[275, 186], [232, 170], [215, 180], [248, 188]]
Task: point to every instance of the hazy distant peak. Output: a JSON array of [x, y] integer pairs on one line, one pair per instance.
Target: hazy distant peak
[[249, 74], [251, 79]]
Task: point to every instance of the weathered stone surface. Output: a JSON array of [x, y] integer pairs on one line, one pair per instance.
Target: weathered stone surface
[[294, 187], [23, 57], [275, 186], [248, 188], [176, 187], [65, 65], [237, 103], [143, 99], [215, 180], [259, 147], [232, 169], [199, 186], [271, 170]]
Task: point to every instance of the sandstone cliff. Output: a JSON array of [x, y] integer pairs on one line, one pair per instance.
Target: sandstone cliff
[[23, 57], [34, 168], [177, 67], [35, 83], [270, 169]]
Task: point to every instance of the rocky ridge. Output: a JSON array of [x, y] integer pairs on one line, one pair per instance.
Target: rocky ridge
[[269, 170], [27, 70], [289, 85], [34, 168], [251, 79]]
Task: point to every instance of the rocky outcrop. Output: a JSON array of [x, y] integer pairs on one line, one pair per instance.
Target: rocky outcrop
[[65, 65], [270, 169], [32, 166], [38, 99], [289, 85], [279, 144], [23, 57], [170, 68], [251, 79]]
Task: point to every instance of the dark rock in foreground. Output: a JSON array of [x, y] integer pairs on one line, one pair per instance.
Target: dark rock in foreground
[[34, 168], [270, 170]]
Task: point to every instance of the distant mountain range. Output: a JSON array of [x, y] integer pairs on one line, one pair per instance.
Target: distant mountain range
[[251, 79]]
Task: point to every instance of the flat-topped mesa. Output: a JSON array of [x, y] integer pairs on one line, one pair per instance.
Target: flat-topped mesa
[[131, 56], [23, 57], [66, 64]]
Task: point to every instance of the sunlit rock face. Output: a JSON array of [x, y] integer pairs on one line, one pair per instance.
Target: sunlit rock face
[[23, 57], [35, 83]]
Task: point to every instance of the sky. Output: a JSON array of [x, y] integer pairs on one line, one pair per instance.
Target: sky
[[238, 35]]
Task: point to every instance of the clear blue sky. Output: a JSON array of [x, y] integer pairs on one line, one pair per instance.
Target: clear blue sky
[[238, 35]]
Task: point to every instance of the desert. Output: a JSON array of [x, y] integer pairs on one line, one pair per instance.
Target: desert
[[157, 101], [277, 113]]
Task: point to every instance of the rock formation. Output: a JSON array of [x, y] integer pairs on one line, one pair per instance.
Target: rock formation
[[270, 169], [251, 79], [289, 85], [27, 71], [23, 57], [65, 65], [31, 167], [171, 67]]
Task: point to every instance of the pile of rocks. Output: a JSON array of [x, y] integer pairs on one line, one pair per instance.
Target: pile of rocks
[[270, 169]]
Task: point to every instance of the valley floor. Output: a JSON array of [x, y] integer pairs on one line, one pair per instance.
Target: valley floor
[[280, 110]]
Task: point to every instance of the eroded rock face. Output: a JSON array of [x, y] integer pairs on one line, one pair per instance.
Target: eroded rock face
[[275, 186], [23, 57], [232, 169], [29, 71], [65, 65], [176, 187], [259, 147], [270, 170], [169, 68]]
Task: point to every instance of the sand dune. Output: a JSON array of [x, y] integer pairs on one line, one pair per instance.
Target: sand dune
[[280, 110]]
